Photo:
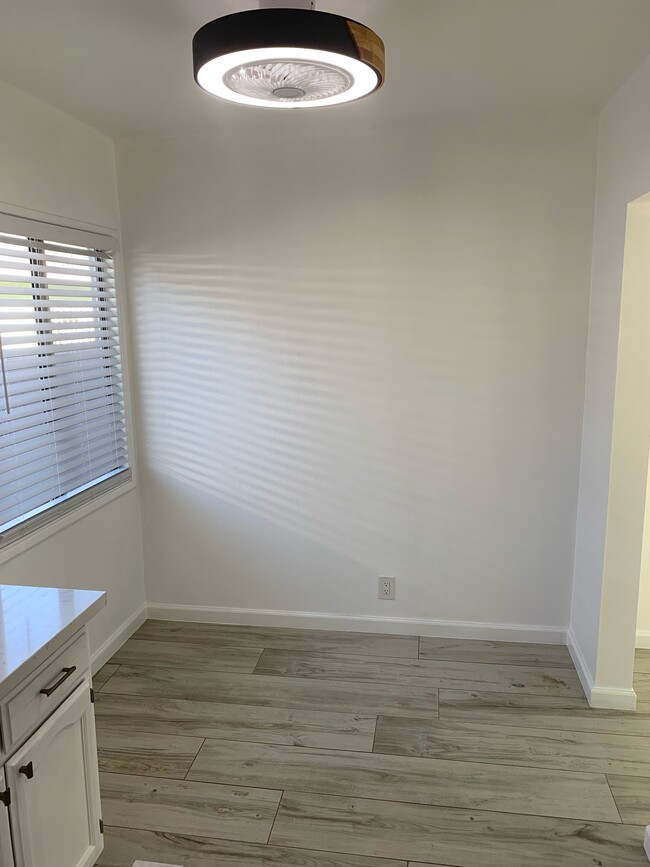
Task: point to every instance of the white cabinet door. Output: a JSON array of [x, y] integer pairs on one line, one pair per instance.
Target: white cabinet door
[[54, 784], [6, 856]]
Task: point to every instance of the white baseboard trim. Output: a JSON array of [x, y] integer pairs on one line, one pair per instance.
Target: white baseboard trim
[[358, 623], [609, 698], [643, 638], [613, 699], [117, 639], [585, 675]]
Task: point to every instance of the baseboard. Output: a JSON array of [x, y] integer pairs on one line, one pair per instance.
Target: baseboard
[[609, 698], [613, 699], [117, 639], [643, 638], [358, 623], [585, 675]]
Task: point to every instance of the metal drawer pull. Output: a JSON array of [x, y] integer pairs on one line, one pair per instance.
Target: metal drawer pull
[[27, 770], [66, 674]]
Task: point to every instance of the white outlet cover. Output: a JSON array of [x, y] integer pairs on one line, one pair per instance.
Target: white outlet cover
[[383, 580]]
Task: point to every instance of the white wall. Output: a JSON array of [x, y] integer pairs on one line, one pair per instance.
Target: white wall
[[643, 610], [362, 352], [54, 165], [600, 608], [58, 169]]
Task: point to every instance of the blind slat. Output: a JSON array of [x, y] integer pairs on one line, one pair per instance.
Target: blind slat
[[101, 415], [25, 308], [17, 246], [53, 394], [49, 490], [22, 381], [43, 284], [68, 466], [29, 264], [66, 407], [65, 290], [12, 463], [48, 341], [60, 355], [60, 323], [22, 258]]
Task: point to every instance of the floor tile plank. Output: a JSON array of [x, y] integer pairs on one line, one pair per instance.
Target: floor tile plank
[[122, 845], [398, 778], [288, 692], [464, 838], [539, 711], [316, 640], [632, 796], [176, 654], [642, 661], [508, 745], [420, 672], [203, 719], [146, 754], [179, 807], [642, 685], [496, 652]]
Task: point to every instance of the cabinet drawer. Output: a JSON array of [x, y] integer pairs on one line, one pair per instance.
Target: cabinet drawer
[[35, 701]]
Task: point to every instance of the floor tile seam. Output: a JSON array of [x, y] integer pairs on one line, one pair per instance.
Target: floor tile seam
[[104, 682], [614, 797]]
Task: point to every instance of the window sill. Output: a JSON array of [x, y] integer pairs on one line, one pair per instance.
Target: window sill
[[20, 546]]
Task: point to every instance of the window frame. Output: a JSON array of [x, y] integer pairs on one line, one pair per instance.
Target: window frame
[[45, 520]]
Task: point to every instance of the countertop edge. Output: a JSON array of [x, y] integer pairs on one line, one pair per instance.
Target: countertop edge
[[39, 656]]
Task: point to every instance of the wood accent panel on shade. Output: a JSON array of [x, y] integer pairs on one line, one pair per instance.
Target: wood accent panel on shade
[[370, 47]]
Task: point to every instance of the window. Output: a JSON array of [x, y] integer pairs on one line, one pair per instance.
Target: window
[[63, 436]]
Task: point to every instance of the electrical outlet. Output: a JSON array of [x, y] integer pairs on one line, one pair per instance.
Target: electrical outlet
[[386, 588]]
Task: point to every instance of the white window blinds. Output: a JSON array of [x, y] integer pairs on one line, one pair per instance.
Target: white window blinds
[[62, 422]]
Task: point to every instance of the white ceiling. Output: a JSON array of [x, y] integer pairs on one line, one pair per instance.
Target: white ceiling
[[125, 66]]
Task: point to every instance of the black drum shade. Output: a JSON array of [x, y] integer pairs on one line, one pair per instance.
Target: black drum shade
[[288, 58]]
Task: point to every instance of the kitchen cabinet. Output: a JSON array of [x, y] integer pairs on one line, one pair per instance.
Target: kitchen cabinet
[[50, 811], [54, 784]]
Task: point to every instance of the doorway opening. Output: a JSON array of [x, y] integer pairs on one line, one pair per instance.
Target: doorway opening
[[625, 600]]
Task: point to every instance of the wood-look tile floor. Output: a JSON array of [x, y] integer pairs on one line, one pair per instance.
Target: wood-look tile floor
[[250, 747]]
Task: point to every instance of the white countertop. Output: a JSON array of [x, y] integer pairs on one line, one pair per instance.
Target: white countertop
[[36, 620]]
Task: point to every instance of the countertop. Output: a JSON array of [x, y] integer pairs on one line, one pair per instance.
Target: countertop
[[34, 621]]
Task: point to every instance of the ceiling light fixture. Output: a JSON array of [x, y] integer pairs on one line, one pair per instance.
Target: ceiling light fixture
[[279, 57]]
